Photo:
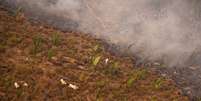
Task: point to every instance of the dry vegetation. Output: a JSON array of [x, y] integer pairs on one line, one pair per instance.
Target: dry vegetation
[[43, 64]]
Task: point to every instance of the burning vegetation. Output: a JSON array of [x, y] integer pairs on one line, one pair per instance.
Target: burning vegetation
[[40, 63]]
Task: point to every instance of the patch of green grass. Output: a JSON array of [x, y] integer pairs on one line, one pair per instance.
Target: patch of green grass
[[137, 75], [96, 56], [96, 60], [37, 44], [56, 39], [158, 83], [50, 54], [130, 81]]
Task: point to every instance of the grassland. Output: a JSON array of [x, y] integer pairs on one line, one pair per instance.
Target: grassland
[[40, 63]]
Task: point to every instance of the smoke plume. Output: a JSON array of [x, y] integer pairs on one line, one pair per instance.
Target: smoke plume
[[167, 30]]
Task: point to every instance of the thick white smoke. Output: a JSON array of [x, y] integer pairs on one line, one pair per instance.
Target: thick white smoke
[[167, 30]]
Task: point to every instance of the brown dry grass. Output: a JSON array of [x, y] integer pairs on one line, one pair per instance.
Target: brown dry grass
[[70, 60]]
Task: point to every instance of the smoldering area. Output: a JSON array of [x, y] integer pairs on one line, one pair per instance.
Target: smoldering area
[[167, 31]]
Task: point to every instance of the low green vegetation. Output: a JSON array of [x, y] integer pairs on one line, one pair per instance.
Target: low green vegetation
[[55, 39], [158, 83], [96, 60], [136, 75], [37, 44], [130, 82], [50, 54]]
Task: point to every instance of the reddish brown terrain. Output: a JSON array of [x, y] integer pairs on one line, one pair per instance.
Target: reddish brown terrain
[[39, 63]]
